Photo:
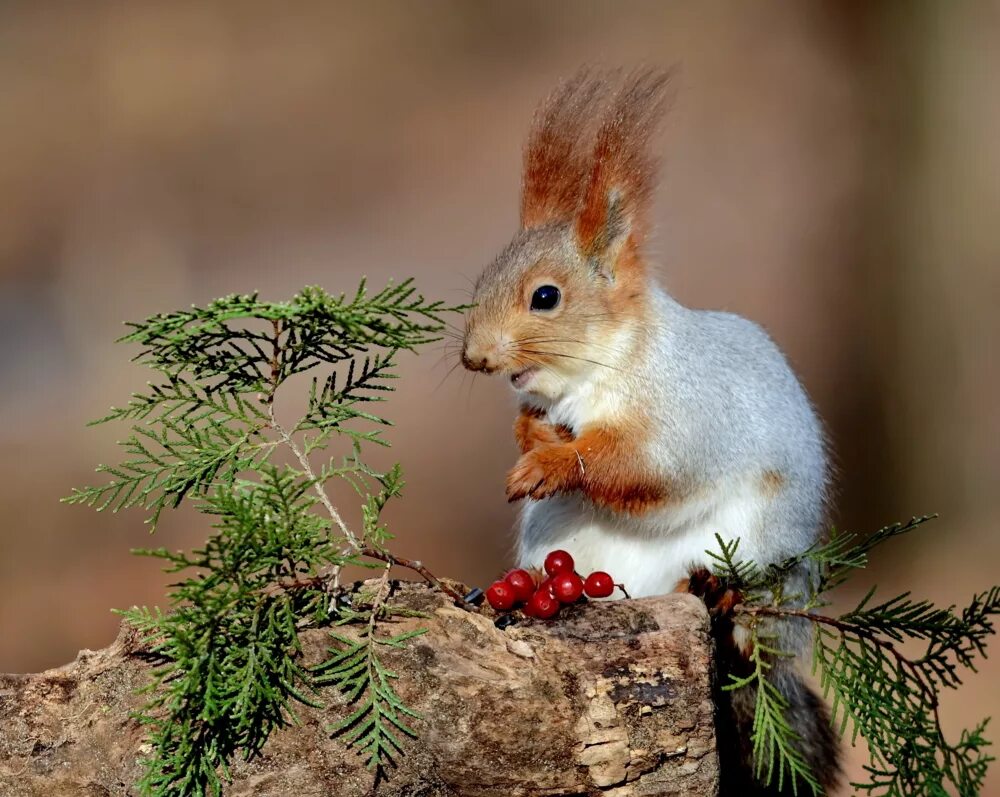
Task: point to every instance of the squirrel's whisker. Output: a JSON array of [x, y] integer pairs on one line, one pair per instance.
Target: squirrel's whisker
[[574, 357]]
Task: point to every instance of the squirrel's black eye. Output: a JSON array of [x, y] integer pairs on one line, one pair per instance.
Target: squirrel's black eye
[[545, 298]]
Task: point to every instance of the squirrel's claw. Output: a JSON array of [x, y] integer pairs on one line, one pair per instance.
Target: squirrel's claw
[[526, 478]]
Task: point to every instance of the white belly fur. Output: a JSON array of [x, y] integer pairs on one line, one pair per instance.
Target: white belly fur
[[651, 553]]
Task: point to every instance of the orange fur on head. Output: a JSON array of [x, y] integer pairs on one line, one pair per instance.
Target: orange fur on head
[[587, 160], [556, 157], [622, 171]]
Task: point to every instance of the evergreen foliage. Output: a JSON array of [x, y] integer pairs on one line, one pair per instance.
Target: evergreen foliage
[[228, 655], [888, 697], [228, 659], [356, 670]]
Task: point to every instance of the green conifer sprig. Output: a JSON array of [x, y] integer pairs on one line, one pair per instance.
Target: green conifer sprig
[[229, 665], [879, 692], [356, 670], [228, 648], [207, 420], [777, 756]]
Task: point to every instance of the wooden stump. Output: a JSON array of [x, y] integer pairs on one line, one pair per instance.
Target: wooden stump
[[610, 698]]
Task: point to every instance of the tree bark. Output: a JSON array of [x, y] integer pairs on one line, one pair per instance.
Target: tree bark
[[610, 698]]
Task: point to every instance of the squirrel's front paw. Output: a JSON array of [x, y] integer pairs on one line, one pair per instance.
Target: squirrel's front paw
[[532, 431], [543, 472]]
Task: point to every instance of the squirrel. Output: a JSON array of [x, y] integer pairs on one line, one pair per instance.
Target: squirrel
[[646, 427]]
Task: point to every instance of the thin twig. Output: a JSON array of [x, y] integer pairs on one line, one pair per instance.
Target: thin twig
[[307, 469], [381, 592], [334, 575], [325, 575], [417, 567]]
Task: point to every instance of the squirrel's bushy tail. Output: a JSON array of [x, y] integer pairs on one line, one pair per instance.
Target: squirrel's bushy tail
[[808, 716], [807, 713]]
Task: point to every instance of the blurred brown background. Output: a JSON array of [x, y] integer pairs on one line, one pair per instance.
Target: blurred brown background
[[831, 170]]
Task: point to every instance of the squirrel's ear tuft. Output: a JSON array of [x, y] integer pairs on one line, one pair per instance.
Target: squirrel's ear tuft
[[622, 171], [556, 157]]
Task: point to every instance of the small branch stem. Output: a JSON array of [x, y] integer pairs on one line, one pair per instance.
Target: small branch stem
[[326, 575], [381, 591], [416, 567], [334, 575], [317, 486]]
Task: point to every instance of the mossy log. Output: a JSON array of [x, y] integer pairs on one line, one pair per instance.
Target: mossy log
[[610, 698]]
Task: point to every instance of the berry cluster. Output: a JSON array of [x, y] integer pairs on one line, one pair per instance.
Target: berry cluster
[[562, 586]]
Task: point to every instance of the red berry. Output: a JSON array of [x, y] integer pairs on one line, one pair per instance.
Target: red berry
[[522, 583], [567, 587], [546, 587], [598, 585], [501, 596], [558, 562], [542, 605]]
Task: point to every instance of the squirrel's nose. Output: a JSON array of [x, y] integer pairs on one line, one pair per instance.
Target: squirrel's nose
[[478, 361]]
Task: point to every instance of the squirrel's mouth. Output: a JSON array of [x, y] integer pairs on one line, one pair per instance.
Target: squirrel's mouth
[[521, 379]]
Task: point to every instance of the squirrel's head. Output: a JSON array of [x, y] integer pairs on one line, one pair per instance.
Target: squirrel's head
[[557, 303]]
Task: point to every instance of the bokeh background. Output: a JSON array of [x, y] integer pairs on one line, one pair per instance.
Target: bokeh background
[[830, 169]]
